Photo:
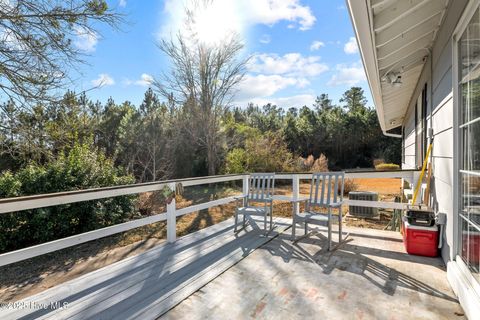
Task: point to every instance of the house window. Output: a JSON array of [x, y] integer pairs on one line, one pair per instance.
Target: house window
[[421, 127], [424, 121], [469, 133]]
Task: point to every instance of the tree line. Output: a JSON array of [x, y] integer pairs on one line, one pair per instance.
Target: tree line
[[155, 140]]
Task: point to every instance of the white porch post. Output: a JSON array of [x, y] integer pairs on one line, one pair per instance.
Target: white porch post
[[171, 217], [416, 177], [296, 193], [245, 184]]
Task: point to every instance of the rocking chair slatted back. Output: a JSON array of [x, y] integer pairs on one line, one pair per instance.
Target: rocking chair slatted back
[[326, 188], [261, 186]]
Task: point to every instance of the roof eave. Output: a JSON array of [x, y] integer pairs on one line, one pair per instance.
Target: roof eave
[[361, 17]]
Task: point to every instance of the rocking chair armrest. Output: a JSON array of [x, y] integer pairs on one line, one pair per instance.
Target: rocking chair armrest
[[336, 204], [241, 200], [269, 200]]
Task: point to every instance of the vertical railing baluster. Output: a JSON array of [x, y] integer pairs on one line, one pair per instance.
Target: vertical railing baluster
[[296, 192], [245, 189], [416, 177], [171, 217], [245, 185]]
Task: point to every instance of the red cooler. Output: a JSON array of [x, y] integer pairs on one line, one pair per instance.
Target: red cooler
[[420, 241]]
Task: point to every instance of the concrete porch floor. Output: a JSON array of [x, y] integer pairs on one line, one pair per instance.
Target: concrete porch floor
[[368, 277]]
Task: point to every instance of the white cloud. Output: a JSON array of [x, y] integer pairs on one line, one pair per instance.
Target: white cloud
[[316, 45], [144, 81], [122, 3], [103, 80], [351, 46], [270, 12], [295, 101], [291, 64], [85, 40], [265, 39], [237, 16], [284, 102], [349, 75], [258, 86], [269, 74]]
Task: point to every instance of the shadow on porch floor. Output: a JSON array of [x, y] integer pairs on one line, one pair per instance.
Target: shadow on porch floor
[[369, 276]]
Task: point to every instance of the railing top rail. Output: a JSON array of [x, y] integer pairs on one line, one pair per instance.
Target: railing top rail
[[375, 170], [65, 197], [354, 174], [350, 171], [121, 187], [59, 198]]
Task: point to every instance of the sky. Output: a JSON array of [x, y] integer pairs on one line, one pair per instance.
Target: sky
[[299, 49]]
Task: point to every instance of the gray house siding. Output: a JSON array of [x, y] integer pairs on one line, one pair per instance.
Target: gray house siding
[[440, 118], [409, 143]]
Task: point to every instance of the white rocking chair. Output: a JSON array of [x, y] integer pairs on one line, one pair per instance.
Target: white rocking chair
[[260, 190], [323, 187]]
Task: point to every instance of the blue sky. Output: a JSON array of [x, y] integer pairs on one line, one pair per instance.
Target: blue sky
[[300, 49]]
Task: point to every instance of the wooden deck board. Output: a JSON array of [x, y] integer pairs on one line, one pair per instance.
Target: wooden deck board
[[122, 266], [151, 283], [83, 285], [162, 301], [171, 261]]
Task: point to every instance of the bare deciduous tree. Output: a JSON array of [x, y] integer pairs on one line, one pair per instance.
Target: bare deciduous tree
[[202, 79], [36, 44]]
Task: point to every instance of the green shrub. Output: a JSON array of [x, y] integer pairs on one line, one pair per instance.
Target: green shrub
[[82, 168], [387, 166], [236, 161], [264, 153]]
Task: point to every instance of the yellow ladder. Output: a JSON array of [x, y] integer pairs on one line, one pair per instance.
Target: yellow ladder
[[420, 179]]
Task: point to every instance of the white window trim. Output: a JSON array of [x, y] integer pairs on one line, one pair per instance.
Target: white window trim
[[468, 275]]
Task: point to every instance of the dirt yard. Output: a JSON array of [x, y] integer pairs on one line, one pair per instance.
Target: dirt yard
[[28, 277]]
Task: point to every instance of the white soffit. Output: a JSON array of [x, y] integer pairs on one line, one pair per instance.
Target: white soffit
[[394, 38]]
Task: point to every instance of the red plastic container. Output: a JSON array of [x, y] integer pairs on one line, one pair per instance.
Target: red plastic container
[[420, 241]]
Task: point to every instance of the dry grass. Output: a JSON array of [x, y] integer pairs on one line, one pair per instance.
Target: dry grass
[[387, 166], [349, 186], [37, 274], [386, 187]]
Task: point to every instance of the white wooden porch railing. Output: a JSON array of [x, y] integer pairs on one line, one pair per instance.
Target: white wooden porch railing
[[53, 199]]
